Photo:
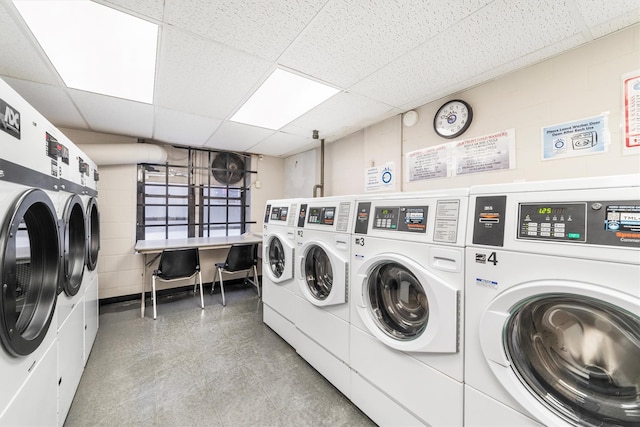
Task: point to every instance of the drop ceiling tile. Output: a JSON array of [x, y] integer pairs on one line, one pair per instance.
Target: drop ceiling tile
[[51, 101], [340, 115], [114, 115], [202, 77], [501, 70], [606, 17], [237, 137], [149, 8], [20, 54], [260, 28], [181, 128], [350, 40], [517, 31], [282, 144]]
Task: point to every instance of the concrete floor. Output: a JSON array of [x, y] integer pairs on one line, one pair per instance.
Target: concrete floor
[[221, 366]]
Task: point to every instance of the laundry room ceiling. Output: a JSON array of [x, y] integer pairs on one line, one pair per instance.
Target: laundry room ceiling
[[385, 57]]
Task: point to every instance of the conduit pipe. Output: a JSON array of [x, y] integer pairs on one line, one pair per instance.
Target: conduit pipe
[[124, 154], [321, 185]]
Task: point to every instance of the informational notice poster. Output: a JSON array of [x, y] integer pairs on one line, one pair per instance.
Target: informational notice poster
[[485, 153], [482, 154], [577, 138], [428, 163], [631, 112], [380, 178]]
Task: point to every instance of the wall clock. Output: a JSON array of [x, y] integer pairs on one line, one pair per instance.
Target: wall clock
[[453, 119]]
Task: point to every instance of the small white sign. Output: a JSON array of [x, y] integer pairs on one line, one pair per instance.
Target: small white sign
[[380, 178]]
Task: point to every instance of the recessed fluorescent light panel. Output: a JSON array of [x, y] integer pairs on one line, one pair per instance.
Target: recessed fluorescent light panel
[[95, 48], [283, 97]]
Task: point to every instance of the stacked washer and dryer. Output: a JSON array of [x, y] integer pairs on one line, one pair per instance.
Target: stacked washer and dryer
[[553, 303], [322, 314], [43, 246], [278, 273], [407, 281]]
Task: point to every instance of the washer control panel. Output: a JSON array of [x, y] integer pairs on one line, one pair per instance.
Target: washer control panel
[[401, 218], [323, 215], [612, 222], [553, 221], [279, 213]]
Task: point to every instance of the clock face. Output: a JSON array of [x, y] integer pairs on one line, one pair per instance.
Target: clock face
[[453, 119]]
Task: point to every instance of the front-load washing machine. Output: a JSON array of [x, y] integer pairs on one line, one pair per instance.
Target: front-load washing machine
[[71, 300], [30, 257], [322, 314], [407, 281], [89, 178], [278, 271], [553, 303]]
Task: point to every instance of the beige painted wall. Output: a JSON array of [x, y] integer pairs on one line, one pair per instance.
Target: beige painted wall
[[582, 83], [302, 174], [343, 159]]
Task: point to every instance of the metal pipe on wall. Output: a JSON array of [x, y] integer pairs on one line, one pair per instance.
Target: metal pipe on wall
[[321, 185]]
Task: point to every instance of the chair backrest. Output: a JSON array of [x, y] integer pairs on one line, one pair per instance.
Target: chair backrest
[[241, 257], [177, 263]]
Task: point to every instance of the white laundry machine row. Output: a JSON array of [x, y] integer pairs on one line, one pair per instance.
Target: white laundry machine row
[[43, 245], [278, 272], [406, 288], [322, 314], [30, 257], [553, 303]]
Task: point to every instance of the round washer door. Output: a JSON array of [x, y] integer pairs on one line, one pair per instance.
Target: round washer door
[[568, 351], [30, 256], [75, 243], [323, 275], [278, 257], [406, 306], [93, 238]]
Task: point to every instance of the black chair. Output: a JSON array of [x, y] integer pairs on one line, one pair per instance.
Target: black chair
[[239, 258], [178, 264]]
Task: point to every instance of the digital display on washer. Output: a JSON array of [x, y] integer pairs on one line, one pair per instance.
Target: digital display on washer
[[622, 218], [551, 221], [401, 218], [321, 215]]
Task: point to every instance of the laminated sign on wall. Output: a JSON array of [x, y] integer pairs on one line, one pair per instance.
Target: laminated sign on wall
[[631, 111], [485, 153], [576, 138], [380, 178]]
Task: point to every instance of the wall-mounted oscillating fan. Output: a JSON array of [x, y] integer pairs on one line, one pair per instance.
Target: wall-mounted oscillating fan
[[228, 168]]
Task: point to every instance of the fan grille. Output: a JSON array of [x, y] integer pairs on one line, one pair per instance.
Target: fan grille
[[228, 168]]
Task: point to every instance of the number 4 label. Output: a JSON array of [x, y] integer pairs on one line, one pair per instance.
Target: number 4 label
[[493, 258]]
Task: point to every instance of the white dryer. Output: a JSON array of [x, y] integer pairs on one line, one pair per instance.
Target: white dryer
[[553, 303], [407, 280], [30, 255], [89, 178], [71, 300], [278, 271], [322, 268]]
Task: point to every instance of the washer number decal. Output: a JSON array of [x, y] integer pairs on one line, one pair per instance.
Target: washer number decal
[[482, 258]]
